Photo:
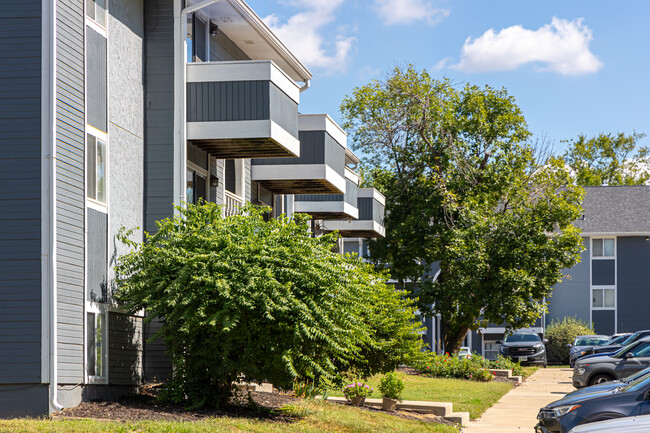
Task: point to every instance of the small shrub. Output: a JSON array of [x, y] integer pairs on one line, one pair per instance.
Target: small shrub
[[474, 368], [562, 332], [357, 389], [502, 363], [391, 386]]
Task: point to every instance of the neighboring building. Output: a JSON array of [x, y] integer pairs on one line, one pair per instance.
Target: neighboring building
[[610, 287], [108, 117]]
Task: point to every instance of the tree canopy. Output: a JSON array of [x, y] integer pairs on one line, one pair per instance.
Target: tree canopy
[[246, 299], [608, 159], [465, 196]]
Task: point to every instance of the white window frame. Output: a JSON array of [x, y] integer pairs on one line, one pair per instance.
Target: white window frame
[[603, 287], [102, 136], [96, 309], [93, 23], [485, 350]]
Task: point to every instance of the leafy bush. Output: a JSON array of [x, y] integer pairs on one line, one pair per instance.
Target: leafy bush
[[357, 389], [246, 299], [473, 368], [562, 332], [391, 386]]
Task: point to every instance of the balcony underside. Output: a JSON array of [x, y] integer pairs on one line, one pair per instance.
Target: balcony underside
[[299, 178], [326, 210], [355, 228], [229, 148]]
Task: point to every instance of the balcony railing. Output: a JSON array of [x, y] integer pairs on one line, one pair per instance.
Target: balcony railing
[[232, 204], [242, 109], [371, 217]]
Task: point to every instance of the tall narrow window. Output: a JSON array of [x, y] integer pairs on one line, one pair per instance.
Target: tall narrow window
[[95, 345], [603, 273], [96, 168], [96, 11]]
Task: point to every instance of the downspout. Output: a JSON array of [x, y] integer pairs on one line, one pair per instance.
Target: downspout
[[51, 256], [305, 86], [181, 102]]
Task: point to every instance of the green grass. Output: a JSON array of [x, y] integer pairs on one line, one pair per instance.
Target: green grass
[[528, 371], [314, 417], [466, 395]]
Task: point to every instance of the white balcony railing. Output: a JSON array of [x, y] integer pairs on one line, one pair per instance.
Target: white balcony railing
[[232, 204]]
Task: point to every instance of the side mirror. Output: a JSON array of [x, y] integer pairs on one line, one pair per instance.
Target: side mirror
[[569, 345], [629, 355], [545, 340], [499, 342]]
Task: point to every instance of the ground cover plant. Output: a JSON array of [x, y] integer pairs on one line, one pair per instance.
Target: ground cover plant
[[466, 395], [247, 299], [474, 367]]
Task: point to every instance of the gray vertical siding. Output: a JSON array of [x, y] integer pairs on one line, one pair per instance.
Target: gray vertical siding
[[70, 188], [217, 169], [157, 365], [633, 285], [159, 111], [197, 156], [284, 111], [124, 349], [20, 194], [365, 205], [603, 272], [97, 256], [604, 321], [571, 297], [97, 75]]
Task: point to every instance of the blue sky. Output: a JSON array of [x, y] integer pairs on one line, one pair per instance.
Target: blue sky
[[574, 67]]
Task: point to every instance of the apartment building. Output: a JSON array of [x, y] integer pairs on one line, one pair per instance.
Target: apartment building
[[111, 112]]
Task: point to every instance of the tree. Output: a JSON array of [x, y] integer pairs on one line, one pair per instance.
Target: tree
[[247, 299], [463, 195], [609, 160]]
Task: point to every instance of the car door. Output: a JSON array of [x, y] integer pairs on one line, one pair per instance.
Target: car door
[[640, 359]]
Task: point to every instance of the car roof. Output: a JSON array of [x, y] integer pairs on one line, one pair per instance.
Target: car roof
[[622, 425]]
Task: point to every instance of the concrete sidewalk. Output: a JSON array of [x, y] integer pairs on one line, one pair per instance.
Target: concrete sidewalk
[[517, 410]]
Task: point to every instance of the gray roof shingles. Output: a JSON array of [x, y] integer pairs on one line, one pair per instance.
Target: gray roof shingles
[[616, 210]]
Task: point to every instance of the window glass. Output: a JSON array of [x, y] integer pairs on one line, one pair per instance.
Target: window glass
[[95, 332], [597, 296], [609, 295], [491, 350], [99, 343], [597, 248], [190, 187], [91, 167], [608, 247], [90, 345], [90, 9], [100, 12], [517, 338], [640, 350], [101, 171]]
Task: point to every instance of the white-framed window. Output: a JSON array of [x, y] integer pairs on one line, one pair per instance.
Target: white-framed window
[[603, 297], [603, 289], [490, 349], [96, 11], [197, 183], [603, 248], [234, 177], [96, 165], [96, 355]]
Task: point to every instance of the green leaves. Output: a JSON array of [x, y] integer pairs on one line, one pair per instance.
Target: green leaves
[[242, 298]]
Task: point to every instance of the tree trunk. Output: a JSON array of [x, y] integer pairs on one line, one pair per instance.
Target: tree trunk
[[453, 336]]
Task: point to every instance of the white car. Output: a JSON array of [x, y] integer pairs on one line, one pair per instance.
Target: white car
[[632, 424], [465, 352]]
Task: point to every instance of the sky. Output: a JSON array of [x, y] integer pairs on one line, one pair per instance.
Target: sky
[[574, 67]]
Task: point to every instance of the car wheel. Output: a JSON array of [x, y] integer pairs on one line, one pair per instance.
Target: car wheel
[[600, 378]]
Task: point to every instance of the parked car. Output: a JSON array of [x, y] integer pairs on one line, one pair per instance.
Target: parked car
[[465, 352], [615, 344], [583, 343], [598, 369], [632, 424], [606, 386], [524, 347], [564, 414]]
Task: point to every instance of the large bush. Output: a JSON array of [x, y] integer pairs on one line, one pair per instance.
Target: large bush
[[562, 332], [242, 298]]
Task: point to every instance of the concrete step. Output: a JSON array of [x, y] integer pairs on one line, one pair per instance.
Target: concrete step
[[433, 407], [516, 379], [502, 373], [461, 418]]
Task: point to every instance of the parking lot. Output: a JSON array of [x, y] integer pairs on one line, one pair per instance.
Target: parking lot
[[517, 410]]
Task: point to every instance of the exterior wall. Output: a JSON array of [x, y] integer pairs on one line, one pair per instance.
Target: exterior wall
[[572, 297], [125, 349], [70, 139], [633, 285], [604, 321], [159, 111], [20, 219]]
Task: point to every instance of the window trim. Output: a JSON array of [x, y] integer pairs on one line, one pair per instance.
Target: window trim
[[93, 23], [603, 288], [96, 309], [103, 137], [603, 257], [613, 287], [201, 172]]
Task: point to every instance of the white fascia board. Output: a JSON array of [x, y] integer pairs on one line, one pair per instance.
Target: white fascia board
[[298, 172], [502, 330], [355, 225], [242, 129], [371, 193], [326, 207], [244, 70], [351, 175], [323, 122], [613, 234]]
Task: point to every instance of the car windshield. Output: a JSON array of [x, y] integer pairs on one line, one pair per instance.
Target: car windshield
[[590, 341], [518, 338], [642, 348], [617, 340], [630, 339], [637, 375], [637, 384]]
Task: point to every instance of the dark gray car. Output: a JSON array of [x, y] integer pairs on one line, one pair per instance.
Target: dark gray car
[[606, 386], [598, 369], [524, 347], [582, 344]]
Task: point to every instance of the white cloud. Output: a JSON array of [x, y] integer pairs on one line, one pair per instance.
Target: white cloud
[[441, 64], [407, 11], [562, 46], [301, 33]]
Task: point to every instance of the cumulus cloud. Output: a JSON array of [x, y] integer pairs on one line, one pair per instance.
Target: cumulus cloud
[[561, 46], [407, 11], [301, 33]]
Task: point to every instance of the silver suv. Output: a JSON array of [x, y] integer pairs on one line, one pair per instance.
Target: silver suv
[[598, 369]]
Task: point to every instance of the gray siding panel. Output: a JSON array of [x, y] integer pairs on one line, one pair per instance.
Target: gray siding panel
[[603, 272], [365, 205], [97, 256], [70, 185], [157, 365], [571, 297], [603, 321], [23, 401], [125, 349], [97, 76], [633, 284], [20, 219]]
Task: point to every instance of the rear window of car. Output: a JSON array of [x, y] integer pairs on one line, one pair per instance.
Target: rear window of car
[[519, 338], [590, 341]]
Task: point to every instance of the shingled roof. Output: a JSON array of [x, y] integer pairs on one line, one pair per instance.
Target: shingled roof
[[616, 210]]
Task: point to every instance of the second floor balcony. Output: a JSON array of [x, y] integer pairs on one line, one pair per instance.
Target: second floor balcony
[[370, 224], [331, 206], [242, 109]]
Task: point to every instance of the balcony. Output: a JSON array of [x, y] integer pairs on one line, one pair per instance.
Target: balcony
[[331, 206], [370, 224], [242, 109], [320, 169], [232, 204]]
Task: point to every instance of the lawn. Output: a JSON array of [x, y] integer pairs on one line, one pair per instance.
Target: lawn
[[466, 395], [312, 417], [528, 371]]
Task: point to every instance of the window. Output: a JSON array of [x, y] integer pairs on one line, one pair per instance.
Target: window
[[603, 298], [96, 11], [96, 345], [95, 168], [603, 248], [491, 350]]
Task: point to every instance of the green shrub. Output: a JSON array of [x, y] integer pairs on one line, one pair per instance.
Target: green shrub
[[356, 389], [391, 386], [474, 368], [562, 332]]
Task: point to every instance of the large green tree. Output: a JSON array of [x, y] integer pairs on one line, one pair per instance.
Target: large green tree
[[608, 159], [464, 195], [242, 298]]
